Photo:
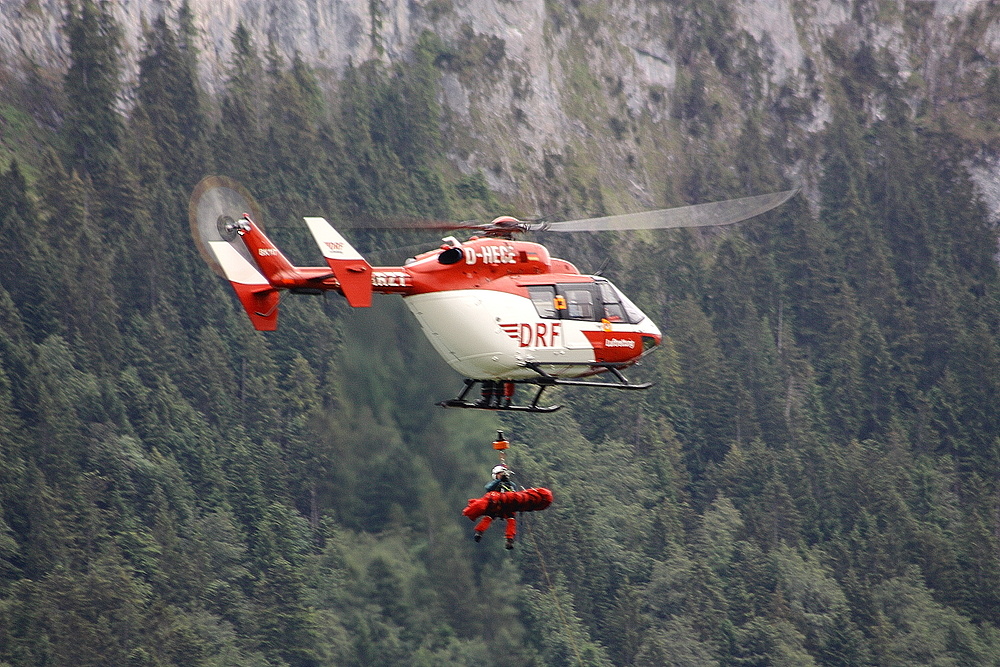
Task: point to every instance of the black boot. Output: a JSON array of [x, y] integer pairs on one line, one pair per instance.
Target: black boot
[[510, 542]]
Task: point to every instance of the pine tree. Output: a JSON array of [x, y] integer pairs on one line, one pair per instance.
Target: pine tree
[[367, 105], [293, 118], [867, 263], [94, 125], [13, 477], [705, 389], [170, 100], [826, 315], [238, 140], [739, 281], [87, 309], [24, 255]]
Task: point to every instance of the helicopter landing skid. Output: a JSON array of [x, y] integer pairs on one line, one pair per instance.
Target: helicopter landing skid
[[494, 397], [494, 400], [622, 382]]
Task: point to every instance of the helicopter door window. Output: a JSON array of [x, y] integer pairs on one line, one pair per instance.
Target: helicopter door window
[[544, 298], [579, 303]]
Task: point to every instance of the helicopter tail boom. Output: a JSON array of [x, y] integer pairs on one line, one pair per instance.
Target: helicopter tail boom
[[259, 271], [259, 287]]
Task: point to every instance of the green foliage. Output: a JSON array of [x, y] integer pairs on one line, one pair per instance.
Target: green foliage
[[170, 102], [93, 126], [560, 637]]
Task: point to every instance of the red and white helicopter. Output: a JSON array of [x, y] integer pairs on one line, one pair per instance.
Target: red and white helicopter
[[500, 311]]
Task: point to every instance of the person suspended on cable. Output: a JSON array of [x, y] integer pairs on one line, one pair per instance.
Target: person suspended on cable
[[501, 480], [501, 483]]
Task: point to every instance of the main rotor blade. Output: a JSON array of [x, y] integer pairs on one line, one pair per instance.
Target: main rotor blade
[[699, 215], [405, 223]]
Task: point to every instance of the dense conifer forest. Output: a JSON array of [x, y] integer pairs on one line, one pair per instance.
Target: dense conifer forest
[[813, 480]]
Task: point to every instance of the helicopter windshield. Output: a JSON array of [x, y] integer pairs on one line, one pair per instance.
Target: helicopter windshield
[[617, 306]]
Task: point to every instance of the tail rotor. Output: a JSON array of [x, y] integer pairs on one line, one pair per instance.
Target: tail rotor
[[216, 205]]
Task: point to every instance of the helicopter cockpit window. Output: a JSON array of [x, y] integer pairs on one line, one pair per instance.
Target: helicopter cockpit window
[[617, 307], [544, 298], [613, 311]]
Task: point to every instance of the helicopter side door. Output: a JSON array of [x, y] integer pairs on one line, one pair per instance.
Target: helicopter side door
[[581, 310], [569, 309]]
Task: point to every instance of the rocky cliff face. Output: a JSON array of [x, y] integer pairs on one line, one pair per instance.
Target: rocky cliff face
[[587, 93]]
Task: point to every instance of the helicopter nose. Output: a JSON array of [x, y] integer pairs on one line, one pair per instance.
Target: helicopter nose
[[651, 336]]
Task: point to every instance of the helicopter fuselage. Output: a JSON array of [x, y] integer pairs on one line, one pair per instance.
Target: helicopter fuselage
[[494, 308]]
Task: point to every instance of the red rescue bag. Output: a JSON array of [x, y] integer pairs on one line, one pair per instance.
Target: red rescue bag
[[504, 504]]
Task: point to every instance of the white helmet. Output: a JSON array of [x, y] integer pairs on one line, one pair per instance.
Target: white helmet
[[499, 469]]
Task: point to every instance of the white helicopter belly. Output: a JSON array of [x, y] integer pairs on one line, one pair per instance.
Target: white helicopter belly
[[488, 334]]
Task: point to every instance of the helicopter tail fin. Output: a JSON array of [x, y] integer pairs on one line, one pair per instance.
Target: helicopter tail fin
[[258, 297], [352, 271]]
